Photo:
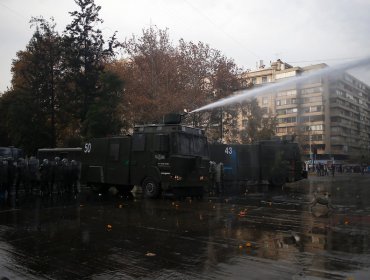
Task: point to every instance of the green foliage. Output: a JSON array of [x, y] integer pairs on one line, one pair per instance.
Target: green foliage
[[103, 118], [85, 57], [60, 89], [30, 103], [26, 124], [257, 126]]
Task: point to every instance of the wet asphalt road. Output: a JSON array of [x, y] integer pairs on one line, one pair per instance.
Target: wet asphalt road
[[263, 234]]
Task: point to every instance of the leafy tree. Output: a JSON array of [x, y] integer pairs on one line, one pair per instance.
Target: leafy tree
[[161, 78], [30, 104], [151, 75], [85, 57], [103, 117], [4, 136], [257, 126], [26, 124], [60, 81]]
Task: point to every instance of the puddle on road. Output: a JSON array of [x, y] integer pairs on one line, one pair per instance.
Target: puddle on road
[[278, 234]]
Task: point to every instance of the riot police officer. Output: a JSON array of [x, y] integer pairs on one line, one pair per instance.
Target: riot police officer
[[32, 174], [11, 178], [45, 178], [219, 178], [57, 175], [212, 177], [74, 176], [66, 178], [20, 176], [3, 178]]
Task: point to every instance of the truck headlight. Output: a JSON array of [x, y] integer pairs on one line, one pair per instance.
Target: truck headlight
[[177, 178]]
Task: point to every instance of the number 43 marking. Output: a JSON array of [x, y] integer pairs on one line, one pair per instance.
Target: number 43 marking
[[228, 150]]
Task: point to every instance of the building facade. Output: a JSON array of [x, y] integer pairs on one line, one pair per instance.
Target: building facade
[[329, 116]]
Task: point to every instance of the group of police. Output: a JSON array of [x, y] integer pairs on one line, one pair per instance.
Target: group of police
[[45, 178]]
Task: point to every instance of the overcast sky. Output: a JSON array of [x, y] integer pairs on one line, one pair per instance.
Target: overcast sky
[[299, 32]]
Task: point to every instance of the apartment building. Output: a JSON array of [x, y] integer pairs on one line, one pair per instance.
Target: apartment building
[[330, 116]]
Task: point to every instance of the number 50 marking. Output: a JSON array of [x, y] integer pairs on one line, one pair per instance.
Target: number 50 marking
[[87, 149]]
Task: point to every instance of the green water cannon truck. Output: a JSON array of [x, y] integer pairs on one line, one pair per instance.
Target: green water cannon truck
[[158, 157]]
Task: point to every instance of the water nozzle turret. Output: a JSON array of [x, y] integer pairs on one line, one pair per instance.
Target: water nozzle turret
[[172, 118]]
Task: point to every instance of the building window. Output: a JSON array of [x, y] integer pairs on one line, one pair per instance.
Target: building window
[[287, 120], [265, 110], [315, 108], [264, 79], [281, 130], [339, 92], [317, 137], [291, 129], [265, 101], [311, 90], [317, 118], [316, 127], [304, 119], [291, 110]]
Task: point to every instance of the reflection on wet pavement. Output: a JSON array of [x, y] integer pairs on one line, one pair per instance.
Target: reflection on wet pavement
[[275, 234]]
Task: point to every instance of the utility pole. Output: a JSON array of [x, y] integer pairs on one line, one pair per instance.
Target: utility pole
[[222, 125], [310, 142]]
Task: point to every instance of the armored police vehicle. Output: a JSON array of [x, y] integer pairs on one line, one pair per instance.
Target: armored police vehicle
[[158, 157], [274, 161]]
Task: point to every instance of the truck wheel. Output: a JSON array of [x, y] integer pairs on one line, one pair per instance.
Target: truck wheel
[[151, 189], [277, 181]]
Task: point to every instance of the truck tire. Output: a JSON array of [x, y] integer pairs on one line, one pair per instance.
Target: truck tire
[[151, 188], [277, 181]]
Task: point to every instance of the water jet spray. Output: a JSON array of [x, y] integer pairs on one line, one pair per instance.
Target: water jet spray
[[268, 89]]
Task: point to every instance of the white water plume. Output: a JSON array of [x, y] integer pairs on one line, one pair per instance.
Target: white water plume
[[247, 94]]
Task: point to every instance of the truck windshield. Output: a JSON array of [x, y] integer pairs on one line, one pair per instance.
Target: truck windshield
[[188, 144]]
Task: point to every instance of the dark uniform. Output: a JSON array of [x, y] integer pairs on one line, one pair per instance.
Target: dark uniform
[[219, 187], [45, 178], [66, 178], [212, 177], [57, 175], [32, 174], [74, 174], [3, 178], [21, 175], [11, 179]]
